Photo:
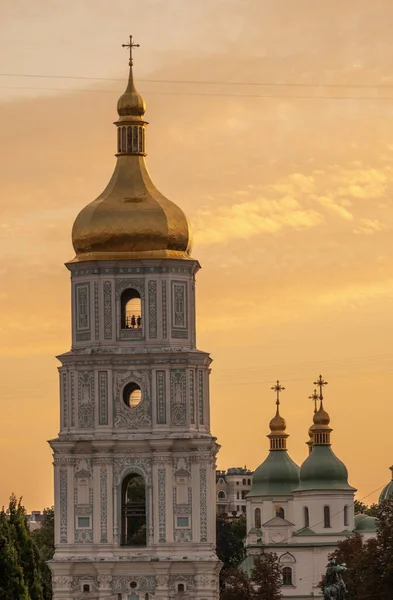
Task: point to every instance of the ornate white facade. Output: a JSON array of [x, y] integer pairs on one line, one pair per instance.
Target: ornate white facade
[[164, 437]]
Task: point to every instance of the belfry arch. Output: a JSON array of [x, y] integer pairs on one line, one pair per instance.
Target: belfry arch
[[133, 510]]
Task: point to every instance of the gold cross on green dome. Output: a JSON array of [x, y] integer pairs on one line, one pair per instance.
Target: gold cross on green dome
[[320, 383], [278, 388], [314, 396]]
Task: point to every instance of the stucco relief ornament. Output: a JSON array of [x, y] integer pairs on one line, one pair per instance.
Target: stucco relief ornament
[[182, 467], [104, 580], [82, 468], [141, 465], [144, 583], [137, 416], [62, 581], [203, 581], [178, 397], [183, 535], [77, 583], [162, 581], [189, 580]]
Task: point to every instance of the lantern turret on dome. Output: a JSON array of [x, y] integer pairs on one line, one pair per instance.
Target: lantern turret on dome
[[278, 436], [131, 219]]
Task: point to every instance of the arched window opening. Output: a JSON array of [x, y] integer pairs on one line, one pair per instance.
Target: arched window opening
[[326, 516], [133, 512], [346, 519], [306, 517], [287, 576], [135, 139], [280, 512], [181, 587], [244, 482], [132, 395], [86, 587], [129, 139], [257, 517], [237, 495], [248, 481], [221, 495], [146, 596], [131, 310], [123, 139]]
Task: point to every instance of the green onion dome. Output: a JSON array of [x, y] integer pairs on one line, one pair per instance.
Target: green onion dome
[[387, 491], [277, 475], [365, 524], [323, 470]]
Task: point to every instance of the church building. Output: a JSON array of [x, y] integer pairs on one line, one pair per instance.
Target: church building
[[301, 513], [134, 461]]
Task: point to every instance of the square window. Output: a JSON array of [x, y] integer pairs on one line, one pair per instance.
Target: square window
[[182, 521], [84, 522]]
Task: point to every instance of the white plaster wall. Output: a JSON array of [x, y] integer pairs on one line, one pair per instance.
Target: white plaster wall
[[315, 501], [268, 509]]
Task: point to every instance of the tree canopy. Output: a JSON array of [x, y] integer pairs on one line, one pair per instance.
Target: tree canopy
[[264, 584], [370, 562], [24, 574], [230, 535]]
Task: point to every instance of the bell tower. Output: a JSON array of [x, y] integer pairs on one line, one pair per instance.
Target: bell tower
[[134, 459]]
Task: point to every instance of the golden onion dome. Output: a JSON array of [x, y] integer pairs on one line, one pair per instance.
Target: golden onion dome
[[277, 424], [321, 417], [131, 219], [131, 102]]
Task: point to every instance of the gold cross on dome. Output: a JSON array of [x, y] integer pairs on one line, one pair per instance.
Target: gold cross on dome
[[278, 388], [131, 45], [320, 383], [314, 396]]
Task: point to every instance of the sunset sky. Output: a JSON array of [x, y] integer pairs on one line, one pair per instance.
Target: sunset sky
[[288, 187]]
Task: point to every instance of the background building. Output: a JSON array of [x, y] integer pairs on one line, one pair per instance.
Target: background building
[[233, 486]]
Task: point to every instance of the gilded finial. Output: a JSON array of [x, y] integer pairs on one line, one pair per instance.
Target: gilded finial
[[278, 388], [320, 429], [314, 397], [129, 106], [277, 424], [320, 383], [131, 45]]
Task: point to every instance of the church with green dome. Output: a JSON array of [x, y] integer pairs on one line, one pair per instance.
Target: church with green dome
[[301, 513]]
